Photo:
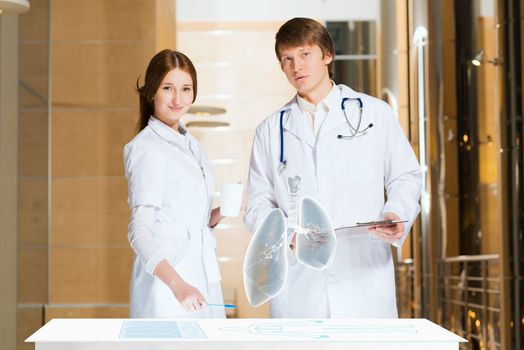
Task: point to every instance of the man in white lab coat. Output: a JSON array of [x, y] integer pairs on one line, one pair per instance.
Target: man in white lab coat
[[354, 159]]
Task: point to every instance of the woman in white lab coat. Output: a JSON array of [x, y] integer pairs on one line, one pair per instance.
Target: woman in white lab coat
[[170, 184], [348, 175]]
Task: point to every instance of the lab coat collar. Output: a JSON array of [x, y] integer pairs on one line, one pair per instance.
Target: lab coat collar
[[331, 100], [295, 123], [167, 133], [336, 118], [346, 91]]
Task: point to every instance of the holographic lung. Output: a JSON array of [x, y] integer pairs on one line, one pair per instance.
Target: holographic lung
[[265, 264], [316, 240]]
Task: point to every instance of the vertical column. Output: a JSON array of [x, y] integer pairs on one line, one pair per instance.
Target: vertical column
[[8, 176], [33, 60]]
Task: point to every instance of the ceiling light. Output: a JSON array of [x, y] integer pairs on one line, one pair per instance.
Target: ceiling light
[[206, 124], [13, 6], [206, 110]]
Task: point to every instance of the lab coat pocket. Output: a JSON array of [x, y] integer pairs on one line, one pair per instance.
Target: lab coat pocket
[[174, 238], [359, 186], [357, 171], [383, 271], [357, 162]]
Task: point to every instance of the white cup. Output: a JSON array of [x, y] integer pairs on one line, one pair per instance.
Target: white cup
[[231, 198]]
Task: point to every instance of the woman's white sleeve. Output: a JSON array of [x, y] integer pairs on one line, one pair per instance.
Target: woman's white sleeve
[[140, 236]]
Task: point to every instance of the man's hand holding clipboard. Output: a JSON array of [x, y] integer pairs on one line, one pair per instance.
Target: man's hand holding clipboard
[[390, 229]]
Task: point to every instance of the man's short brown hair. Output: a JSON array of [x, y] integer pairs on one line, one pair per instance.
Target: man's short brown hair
[[305, 31]]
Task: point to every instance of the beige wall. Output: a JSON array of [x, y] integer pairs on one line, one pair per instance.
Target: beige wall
[[79, 61], [78, 109], [238, 71], [99, 48]]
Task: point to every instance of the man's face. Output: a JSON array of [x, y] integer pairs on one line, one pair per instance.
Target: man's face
[[306, 67]]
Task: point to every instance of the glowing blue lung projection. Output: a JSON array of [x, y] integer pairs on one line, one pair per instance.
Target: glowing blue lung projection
[[316, 240], [265, 264]]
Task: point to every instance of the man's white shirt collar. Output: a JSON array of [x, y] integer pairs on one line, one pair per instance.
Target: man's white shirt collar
[[316, 114]]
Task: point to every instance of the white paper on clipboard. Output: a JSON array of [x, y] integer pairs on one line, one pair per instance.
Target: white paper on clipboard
[[361, 230]]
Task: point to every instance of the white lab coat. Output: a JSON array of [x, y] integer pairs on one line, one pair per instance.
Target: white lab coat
[[348, 177], [165, 169]]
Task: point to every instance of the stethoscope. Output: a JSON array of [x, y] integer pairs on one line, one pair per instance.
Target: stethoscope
[[354, 132]]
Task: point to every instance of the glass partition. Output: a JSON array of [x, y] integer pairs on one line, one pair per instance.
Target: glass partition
[[355, 55]]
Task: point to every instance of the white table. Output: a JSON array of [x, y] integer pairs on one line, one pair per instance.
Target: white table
[[233, 334]]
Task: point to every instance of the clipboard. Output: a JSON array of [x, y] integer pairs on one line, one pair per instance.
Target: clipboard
[[373, 223], [380, 223]]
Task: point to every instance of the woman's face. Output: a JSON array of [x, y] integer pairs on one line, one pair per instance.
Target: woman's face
[[173, 97]]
